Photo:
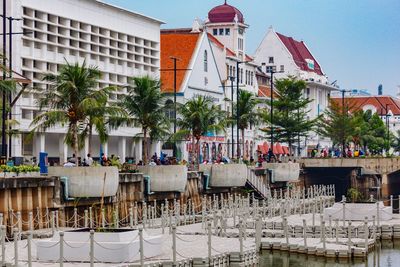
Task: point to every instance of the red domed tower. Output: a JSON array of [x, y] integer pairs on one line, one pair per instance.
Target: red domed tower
[[226, 23]]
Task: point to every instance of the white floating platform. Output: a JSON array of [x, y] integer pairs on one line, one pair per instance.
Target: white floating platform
[[358, 211], [118, 246]]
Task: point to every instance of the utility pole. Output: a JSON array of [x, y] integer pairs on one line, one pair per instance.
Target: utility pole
[[232, 78], [4, 114], [387, 125]]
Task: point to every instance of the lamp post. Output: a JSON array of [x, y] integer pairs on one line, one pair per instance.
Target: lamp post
[[4, 115], [237, 108], [387, 125], [343, 91], [232, 79], [272, 71]]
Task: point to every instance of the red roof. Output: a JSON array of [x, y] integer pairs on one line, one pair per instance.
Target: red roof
[[379, 102], [225, 13], [180, 44], [300, 53]]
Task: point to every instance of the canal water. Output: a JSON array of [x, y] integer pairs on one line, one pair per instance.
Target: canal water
[[385, 254]]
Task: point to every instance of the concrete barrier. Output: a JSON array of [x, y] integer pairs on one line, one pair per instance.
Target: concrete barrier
[[283, 172], [167, 178], [88, 181], [228, 175]]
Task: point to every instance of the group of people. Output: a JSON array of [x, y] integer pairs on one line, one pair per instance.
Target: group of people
[[89, 161], [162, 160], [337, 153]]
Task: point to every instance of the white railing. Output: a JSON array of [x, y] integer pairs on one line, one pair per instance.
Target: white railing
[[258, 183]]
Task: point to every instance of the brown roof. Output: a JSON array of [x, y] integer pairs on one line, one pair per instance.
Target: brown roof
[[179, 43], [379, 102]]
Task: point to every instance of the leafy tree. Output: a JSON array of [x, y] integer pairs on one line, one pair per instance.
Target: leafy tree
[[290, 119], [337, 124], [144, 104], [248, 114], [372, 133], [71, 96], [197, 117], [102, 116]]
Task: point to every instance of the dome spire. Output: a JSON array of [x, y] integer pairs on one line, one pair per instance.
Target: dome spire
[[225, 2]]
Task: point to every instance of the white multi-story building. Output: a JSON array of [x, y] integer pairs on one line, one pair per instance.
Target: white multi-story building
[[120, 42], [288, 56]]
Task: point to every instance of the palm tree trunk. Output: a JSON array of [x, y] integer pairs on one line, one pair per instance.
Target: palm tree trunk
[[144, 152], [90, 138], [75, 142], [198, 153], [193, 152], [243, 154]]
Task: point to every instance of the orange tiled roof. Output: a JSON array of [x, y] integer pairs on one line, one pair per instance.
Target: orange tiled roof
[[265, 91], [180, 44], [379, 102]]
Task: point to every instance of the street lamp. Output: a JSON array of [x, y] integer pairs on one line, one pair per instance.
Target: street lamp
[[387, 124], [343, 91], [237, 107], [232, 79], [272, 70]]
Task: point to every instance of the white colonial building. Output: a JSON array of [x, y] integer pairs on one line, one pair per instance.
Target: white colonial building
[[120, 42], [288, 56]]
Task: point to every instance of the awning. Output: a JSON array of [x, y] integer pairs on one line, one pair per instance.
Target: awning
[[285, 149], [278, 149]]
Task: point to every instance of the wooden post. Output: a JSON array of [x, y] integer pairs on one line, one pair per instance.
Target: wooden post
[[258, 233], [173, 245], [61, 260], [29, 241], [16, 241], [91, 252], [3, 244], [75, 218], [344, 213], [305, 233], [349, 237], [86, 218], [366, 232], [209, 239]]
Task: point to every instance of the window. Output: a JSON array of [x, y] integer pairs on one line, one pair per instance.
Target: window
[[169, 109], [234, 72], [231, 71], [308, 93], [271, 60], [241, 75], [205, 61], [240, 43], [246, 80], [227, 31], [282, 68], [205, 81], [251, 78], [269, 69], [215, 31], [221, 31]]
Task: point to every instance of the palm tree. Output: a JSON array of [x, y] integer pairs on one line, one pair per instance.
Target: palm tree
[[196, 118], [68, 100], [103, 117], [144, 104], [247, 112]]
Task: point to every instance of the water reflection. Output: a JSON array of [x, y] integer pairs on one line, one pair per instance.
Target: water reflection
[[386, 254]]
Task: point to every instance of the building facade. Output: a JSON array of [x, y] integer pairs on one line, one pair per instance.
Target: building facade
[[120, 42], [289, 57]]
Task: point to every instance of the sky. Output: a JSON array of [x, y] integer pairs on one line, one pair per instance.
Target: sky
[[357, 42]]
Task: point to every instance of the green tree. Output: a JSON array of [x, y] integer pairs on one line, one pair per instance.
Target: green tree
[[145, 106], [248, 114], [290, 114], [102, 116], [68, 100], [337, 123], [197, 117]]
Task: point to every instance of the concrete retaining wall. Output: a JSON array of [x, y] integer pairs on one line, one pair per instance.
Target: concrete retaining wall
[[170, 178], [228, 175], [88, 181], [283, 172]]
